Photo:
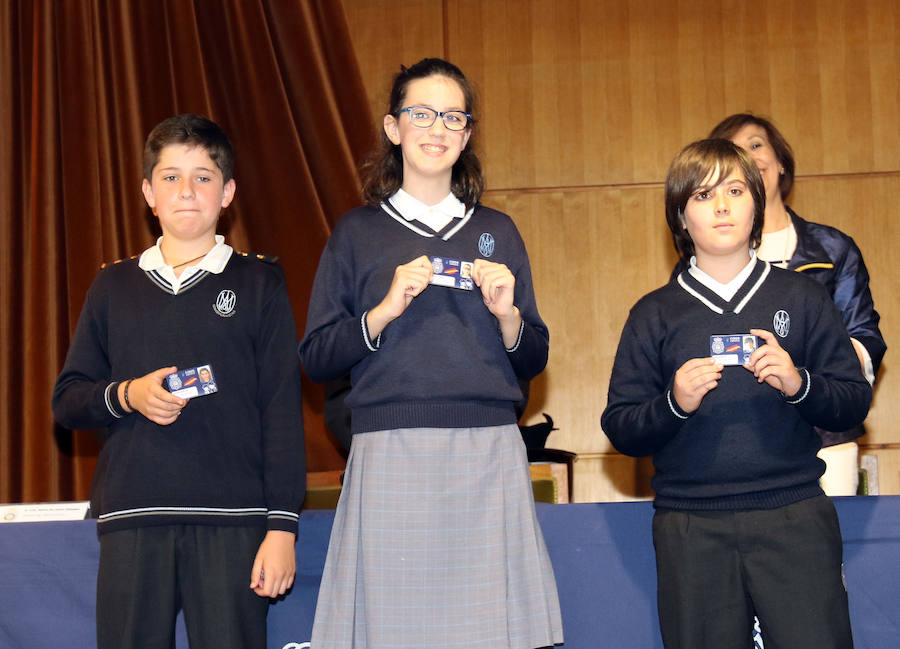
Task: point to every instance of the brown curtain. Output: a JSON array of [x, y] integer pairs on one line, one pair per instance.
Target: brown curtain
[[81, 84]]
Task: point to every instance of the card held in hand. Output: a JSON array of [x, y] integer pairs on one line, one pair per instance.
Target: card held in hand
[[732, 349], [452, 272], [192, 382]]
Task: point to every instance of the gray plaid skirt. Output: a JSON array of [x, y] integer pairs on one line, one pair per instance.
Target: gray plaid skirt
[[436, 544]]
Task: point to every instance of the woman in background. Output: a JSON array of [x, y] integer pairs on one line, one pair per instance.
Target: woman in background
[[827, 255]]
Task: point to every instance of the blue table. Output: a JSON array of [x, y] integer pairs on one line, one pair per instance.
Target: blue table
[[602, 555]]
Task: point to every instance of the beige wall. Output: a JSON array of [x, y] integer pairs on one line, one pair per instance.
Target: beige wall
[[584, 104]]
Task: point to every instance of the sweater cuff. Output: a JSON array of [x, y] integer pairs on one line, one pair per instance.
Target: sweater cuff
[[518, 338], [111, 397], [674, 408], [804, 387], [282, 520], [365, 333]]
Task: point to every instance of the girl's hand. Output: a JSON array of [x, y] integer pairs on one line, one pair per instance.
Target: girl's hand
[[693, 380], [410, 280], [498, 287], [147, 395], [771, 364]]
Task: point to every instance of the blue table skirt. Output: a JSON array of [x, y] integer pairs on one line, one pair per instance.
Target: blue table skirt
[[602, 556]]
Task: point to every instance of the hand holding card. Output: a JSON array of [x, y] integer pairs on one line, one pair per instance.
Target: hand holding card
[[774, 366], [192, 382]]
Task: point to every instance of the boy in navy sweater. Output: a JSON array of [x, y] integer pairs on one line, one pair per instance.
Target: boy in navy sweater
[[199, 485], [742, 527]]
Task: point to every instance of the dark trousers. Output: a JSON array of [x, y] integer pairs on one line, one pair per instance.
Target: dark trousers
[[717, 569], [148, 574]]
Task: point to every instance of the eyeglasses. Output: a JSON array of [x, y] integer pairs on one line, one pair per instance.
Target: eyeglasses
[[423, 117]]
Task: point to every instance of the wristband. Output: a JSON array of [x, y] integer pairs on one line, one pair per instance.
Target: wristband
[[127, 402]]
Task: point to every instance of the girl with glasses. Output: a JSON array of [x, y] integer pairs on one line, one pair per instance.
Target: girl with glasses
[[435, 541]]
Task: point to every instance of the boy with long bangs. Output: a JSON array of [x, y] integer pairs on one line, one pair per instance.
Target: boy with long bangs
[[741, 527], [200, 487]]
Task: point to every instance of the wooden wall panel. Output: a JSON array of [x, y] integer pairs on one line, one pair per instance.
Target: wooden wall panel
[[865, 208], [594, 252], [389, 34], [584, 104], [569, 86]]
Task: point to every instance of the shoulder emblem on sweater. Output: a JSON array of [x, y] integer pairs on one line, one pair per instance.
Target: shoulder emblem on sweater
[[269, 259], [117, 261]]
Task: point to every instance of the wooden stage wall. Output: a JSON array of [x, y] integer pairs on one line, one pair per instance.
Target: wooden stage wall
[[583, 105]]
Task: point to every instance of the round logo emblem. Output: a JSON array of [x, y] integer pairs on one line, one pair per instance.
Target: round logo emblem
[[225, 302], [718, 345], [781, 323], [486, 244]]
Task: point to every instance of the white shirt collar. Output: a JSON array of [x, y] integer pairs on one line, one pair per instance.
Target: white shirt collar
[[213, 261], [435, 217], [725, 291]]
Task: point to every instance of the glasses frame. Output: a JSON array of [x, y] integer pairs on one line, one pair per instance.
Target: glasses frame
[[436, 113]]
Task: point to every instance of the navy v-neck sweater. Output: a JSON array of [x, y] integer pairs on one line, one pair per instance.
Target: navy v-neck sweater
[[747, 446], [442, 363], [234, 457]]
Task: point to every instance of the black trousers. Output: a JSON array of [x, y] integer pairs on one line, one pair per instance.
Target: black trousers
[[716, 570], [148, 574]]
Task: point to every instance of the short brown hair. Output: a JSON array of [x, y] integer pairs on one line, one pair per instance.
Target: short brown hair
[[734, 123], [193, 130], [687, 173]]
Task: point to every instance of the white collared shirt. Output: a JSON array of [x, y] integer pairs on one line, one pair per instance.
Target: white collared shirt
[[435, 217], [213, 261], [724, 291]]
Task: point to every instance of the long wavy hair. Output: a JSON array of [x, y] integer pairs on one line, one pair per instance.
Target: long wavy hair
[[382, 172]]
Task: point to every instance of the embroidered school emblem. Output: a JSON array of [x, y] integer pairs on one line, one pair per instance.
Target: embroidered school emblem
[[781, 323], [486, 244], [225, 302]]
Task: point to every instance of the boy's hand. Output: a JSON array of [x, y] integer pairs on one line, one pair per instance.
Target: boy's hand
[[772, 364], [147, 395], [409, 281], [275, 565], [693, 380], [498, 285]]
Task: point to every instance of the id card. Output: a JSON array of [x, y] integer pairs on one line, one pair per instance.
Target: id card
[[192, 382], [732, 349], [452, 272]]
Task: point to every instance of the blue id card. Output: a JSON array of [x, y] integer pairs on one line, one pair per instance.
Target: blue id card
[[452, 272], [732, 349], [192, 382]]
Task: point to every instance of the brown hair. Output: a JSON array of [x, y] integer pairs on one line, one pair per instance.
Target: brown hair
[[734, 123], [687, 173], [193, 130], [382, 172]]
